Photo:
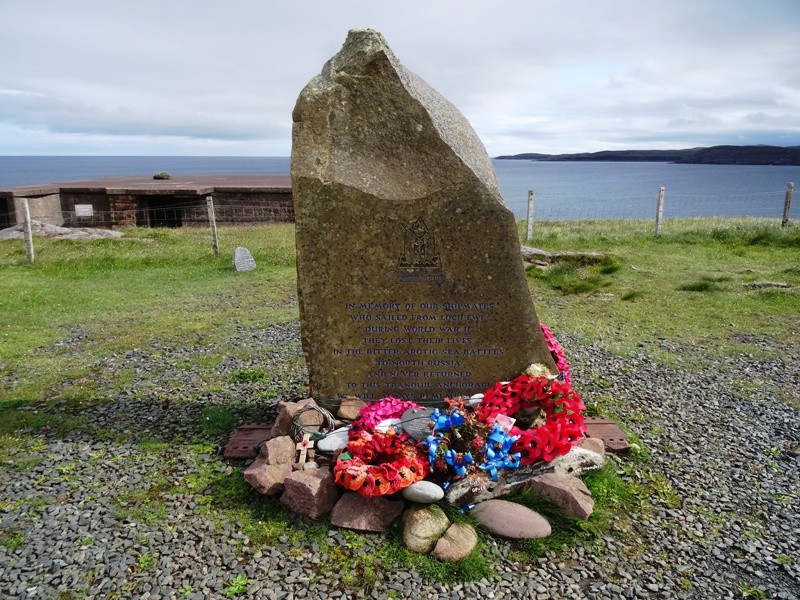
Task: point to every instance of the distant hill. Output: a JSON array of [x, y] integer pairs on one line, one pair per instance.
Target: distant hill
[[715, 155]]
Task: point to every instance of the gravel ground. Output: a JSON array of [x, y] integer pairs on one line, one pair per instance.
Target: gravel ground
[[725, 468]]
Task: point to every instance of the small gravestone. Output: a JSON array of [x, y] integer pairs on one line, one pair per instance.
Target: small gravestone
[[243, 260], [410, 278]]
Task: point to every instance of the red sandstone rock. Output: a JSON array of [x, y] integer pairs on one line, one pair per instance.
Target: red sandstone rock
[[273, 463], [457, 543], [593, 444], [350, 408], [353, 511], [277, 451], [310, 493], [569, 493], [267, 479], [511, 520], [286, 413]]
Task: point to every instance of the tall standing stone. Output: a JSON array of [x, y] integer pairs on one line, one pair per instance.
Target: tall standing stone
[[410, 279]]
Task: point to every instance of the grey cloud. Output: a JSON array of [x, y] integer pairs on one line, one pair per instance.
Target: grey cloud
[[34, 110], [582, 73]]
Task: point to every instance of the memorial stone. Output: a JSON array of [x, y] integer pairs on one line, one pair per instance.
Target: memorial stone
[[410, 278], [243, 260]]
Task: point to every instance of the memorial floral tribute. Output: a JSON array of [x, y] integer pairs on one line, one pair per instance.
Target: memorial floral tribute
[[378, 463], [475, 435]]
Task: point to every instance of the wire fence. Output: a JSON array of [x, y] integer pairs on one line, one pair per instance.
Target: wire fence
[[165, 215], [658, 207], [178, 215], [558, 207], [542, 212]]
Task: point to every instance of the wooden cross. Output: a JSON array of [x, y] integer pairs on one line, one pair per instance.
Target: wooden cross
[[303, 446]]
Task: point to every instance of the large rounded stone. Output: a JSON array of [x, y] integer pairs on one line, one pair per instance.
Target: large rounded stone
[[423, 492], [511, 520], [457, 543], [424, 525]]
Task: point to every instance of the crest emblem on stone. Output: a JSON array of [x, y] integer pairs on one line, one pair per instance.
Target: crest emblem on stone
[[419, 249]]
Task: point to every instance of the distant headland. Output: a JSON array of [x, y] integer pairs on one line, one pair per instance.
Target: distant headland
[[714, 155]]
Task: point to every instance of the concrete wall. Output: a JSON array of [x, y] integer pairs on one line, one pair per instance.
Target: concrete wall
[[46, 209], [148, 206], [232, 206]]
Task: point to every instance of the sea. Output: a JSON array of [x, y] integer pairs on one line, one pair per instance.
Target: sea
[[561, 190]]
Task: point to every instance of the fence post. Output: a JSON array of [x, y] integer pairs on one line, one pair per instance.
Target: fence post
[[213, 222], [26, 214], [787, 203], [659, 210], [529, 232]]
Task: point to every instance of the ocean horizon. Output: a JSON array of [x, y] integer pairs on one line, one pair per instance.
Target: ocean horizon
[[562, 190]]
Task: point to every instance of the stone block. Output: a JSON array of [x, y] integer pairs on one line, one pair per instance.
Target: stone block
[[311, 493], [277, 451], [569, 493], [267, 479], [353, 511]]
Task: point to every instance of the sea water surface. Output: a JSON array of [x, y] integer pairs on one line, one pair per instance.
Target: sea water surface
[[562, 190]]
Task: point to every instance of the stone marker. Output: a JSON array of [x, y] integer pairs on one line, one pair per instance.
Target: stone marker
[[410, 279], [243, 260]]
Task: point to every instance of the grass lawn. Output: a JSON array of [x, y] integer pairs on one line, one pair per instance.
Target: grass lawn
[[120, 294], [693, 285]]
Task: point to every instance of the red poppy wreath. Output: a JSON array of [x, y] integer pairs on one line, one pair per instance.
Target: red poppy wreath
[[561, 405]]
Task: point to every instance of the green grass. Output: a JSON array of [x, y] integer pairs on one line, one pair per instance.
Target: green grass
[[690, 285], [217, 420], [250, 376], [238, 585], [12, 540], [120, 294]]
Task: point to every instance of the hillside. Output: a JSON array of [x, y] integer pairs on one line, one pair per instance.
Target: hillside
[[714, 155]]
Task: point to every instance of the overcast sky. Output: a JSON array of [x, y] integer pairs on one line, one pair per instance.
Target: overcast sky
[[204, 77]]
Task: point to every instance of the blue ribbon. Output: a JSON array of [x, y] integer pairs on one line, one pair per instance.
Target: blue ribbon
[[497, 454]]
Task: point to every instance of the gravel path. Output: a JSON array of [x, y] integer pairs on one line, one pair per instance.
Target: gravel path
[[724, 521]]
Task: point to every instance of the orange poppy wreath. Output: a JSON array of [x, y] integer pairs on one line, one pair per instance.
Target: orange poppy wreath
[[377, 463]]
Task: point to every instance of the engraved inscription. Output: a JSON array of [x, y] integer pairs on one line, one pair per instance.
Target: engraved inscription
[[418, 351]]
